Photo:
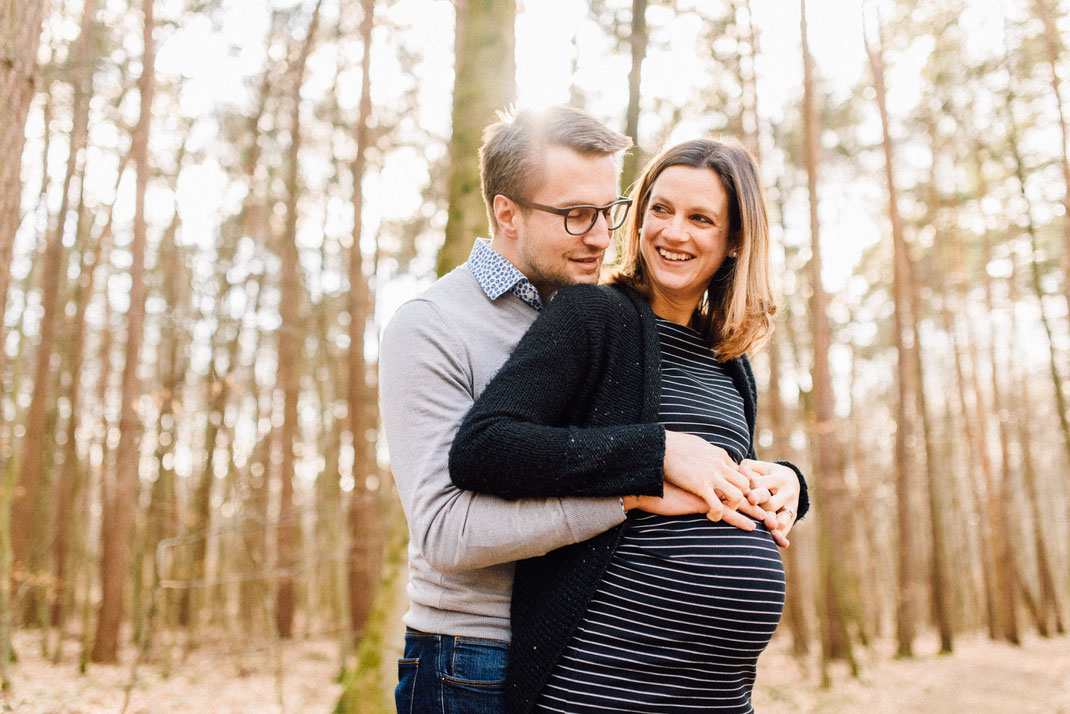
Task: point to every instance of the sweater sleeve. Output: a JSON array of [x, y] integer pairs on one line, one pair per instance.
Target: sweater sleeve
[[424, 391], [516, 441], [804, 491]]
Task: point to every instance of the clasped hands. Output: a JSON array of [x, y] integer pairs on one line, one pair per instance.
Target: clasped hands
[[703, 478]]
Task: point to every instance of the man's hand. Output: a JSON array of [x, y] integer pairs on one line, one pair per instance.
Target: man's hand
[[674, 502], [707, 471], [775, 488]]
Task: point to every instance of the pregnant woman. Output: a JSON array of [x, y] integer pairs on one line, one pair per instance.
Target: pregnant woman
[[663, 613]]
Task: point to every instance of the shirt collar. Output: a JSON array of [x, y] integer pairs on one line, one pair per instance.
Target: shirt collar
[[497, 276]]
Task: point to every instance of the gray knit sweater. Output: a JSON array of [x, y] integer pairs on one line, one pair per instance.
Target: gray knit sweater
[[438, 353]]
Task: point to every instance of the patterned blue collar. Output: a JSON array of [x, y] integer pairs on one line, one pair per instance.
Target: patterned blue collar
[[497, 276]]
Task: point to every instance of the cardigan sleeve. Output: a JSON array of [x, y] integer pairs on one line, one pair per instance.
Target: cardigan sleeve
[[804, 491], [516, 441]]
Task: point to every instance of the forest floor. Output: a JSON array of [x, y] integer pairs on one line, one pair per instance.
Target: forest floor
[[980, 676], [234, 677]]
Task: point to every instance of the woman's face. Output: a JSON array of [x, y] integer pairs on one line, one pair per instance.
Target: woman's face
[[684, 236]]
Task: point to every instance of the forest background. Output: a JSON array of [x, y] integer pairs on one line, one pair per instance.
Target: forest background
[[209, 209]]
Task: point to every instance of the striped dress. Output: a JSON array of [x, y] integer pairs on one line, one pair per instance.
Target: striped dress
[[686, 605]]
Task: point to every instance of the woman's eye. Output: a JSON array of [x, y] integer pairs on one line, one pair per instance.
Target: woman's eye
[[658, 208], [701, 219]]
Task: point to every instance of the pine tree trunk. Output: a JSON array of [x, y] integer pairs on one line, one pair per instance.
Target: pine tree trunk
[[364, 524], [20, 32], [71, 480], [1052, 43], [833, 510], [218, 390], [119, 512], [906, 608], [941, 609], [162, 518], [26, 522], [867, 541], [1050, 608], [794, 612], [291, 336], [1057, 388], [797, 593], [484, 84], [939, 578], [637, 41]]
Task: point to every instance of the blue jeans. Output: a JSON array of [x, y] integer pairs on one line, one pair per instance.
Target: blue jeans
[[451, 675]]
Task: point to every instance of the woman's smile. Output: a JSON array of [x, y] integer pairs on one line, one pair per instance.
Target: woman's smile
[[684, 238]]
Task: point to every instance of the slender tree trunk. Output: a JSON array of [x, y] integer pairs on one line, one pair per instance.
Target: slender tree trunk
[[254, 507], [906, 607], [1052, 44], [868, 609], [939, 578], [1046, 322], [833, 513], [70, 480], [20, 32], [637, 41], [25, 521], [70, 488], [941, 608], [218, 390], [119, 513], [484, 39], [1049, 604], [794, 611], [364, 525], [290, 338], [162, 518]]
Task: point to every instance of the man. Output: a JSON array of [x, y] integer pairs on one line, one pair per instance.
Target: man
[[549, 181]]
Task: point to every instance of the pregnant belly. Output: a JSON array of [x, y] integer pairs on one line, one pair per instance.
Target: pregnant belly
[[677, 622], [702, 588]]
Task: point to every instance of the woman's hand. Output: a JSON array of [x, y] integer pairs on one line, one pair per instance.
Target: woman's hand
[[707, 471], [775, 488]]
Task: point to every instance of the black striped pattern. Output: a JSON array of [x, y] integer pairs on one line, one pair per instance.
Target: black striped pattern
[[686, 605]]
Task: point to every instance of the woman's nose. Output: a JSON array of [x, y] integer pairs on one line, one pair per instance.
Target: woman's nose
[[675, 229]]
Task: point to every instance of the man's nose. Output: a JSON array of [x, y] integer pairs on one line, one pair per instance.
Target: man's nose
[[599, 236]]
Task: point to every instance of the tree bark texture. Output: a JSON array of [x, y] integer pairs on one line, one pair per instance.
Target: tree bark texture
[[637, 42], [906, 607], [20, 32], [364, 522], [290, 340], [119, 510], [53, 276], [833, 511], [1052, 44], [484, 83]]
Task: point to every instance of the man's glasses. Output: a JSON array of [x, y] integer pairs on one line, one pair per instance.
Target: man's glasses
[[581, 219]]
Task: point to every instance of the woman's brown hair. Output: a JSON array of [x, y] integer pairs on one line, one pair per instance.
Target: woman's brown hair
[[736, 312]]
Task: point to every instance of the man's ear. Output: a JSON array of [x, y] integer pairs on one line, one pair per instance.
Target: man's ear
[[506, 213]]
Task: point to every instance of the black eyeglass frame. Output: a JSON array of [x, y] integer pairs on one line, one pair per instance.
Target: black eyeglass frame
[[564, 212]]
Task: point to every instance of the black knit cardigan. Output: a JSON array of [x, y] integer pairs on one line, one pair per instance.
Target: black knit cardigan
[[573, 413]]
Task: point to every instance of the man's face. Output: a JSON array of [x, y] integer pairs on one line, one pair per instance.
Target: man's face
[[548, 255]]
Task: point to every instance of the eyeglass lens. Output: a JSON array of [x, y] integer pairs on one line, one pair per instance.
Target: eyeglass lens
[[582, 218]]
